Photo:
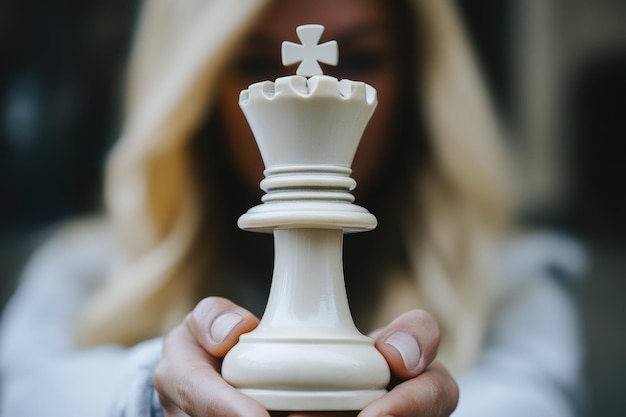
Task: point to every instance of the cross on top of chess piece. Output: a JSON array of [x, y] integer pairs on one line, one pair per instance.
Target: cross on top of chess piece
[[310, 52]]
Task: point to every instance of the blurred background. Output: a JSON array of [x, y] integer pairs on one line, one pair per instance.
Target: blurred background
[[556, 70]]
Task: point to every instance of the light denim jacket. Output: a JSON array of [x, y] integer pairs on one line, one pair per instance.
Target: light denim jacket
[[532, 365]]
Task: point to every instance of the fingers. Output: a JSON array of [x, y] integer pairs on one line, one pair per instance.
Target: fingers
[[189, 384], [188, 380], [187, 377], [217, 323], [409, 343], [432, 394]]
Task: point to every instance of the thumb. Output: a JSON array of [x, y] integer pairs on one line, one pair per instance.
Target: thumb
[[409, 343], [216, 323]]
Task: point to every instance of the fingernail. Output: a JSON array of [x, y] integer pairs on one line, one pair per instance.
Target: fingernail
[[223, 325], [408, 348]]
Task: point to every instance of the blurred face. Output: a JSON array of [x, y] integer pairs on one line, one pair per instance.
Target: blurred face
[[367, 52]]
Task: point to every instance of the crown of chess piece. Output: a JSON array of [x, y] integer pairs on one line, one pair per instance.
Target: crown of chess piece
[[306, 353]]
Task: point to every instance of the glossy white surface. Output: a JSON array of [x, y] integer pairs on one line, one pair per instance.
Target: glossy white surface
[[308, 122], [306, 353]]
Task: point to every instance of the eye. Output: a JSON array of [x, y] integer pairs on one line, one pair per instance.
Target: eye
[[359, 65], [362, 61], [258, 68]]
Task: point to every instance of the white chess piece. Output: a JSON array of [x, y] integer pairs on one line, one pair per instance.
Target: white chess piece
[[306, 353]]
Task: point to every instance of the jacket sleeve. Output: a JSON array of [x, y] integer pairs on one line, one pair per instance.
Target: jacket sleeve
[[42, 372], [533, 361]]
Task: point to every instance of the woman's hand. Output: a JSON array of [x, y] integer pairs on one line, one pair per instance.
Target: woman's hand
[[189, 383], [188, 377], [421, 386]]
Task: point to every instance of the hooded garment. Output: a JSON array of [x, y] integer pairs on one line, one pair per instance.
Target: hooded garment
[[514, 343], [153, 199]]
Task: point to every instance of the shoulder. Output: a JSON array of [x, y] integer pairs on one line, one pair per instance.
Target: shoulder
[[546, 254], [78, 247], [540, 280], [37, 320], [72, 260], [536, 310]]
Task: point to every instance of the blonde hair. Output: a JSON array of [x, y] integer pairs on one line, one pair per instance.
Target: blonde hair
[[153, 197]]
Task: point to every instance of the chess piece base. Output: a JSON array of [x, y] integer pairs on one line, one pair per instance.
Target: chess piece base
[[293, 400], [306, 353]]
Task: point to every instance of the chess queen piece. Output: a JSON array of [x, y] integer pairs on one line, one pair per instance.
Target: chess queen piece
[[306, 353]]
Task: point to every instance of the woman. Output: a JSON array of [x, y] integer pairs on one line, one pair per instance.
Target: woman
[[186, 167]]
